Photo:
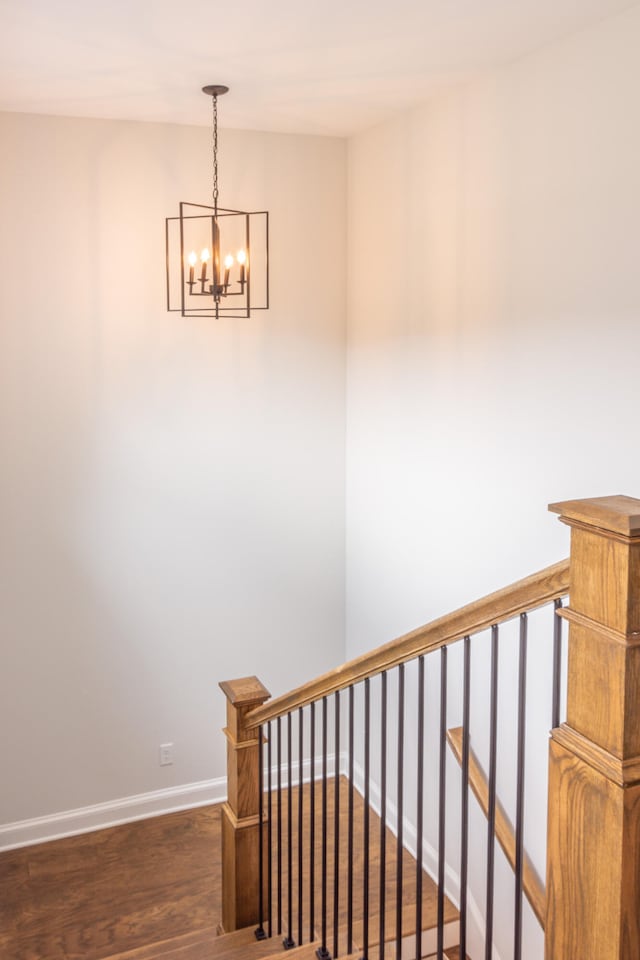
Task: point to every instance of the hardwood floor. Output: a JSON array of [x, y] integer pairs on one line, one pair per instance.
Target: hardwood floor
[[99, 894], [105, 893], [429, 898]]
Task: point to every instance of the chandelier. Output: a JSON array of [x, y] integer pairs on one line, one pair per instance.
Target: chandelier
[[217, 259]]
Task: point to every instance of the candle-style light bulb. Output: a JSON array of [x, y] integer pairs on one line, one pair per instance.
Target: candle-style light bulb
[[228, 263], [193, 259], [241, 257], [204, 256]]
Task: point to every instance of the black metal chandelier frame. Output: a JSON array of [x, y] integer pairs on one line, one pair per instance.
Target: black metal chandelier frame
[[218, 288]]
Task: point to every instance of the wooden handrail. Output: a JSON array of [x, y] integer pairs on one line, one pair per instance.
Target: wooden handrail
[[534, 591], [531, 884]]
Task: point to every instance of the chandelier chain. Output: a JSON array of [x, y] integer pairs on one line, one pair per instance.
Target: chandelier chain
[[215, 153]]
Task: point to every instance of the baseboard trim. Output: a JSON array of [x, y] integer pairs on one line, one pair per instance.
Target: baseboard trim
[[99, 816]]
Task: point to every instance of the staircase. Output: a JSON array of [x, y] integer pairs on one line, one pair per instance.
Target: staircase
[[206, 945], [329, 782], [240, 945]]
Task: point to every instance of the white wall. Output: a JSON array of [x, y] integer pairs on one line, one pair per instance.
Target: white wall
[[171, 490], [493, 339]]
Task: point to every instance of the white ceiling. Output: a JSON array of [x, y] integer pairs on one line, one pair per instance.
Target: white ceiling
[[293, 65]]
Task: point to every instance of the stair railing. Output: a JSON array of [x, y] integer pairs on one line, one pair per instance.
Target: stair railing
[[342, 880], [505, 835], [375, 888]]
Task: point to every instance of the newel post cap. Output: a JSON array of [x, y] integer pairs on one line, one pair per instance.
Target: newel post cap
[[245, 692], [617, 514]]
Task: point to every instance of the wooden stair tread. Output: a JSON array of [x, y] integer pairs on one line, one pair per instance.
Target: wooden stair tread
[[169, 947], [305, 952], [452, 953], [409, 946], [429, 918], [429, 931], [242, 943], [206, 945]]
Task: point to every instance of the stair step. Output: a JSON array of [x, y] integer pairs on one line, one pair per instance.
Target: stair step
[[428, 947], [306, 952], [206, 945], [243, 943], [429, 929], [453, 953], [174, 946]]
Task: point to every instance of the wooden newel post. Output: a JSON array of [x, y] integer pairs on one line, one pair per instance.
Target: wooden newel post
[[593, 857], [241, 812]]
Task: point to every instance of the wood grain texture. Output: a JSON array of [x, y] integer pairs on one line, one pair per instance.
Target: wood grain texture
[[407, 893], [190, 946], [615, 514], [243, 788], [604, 648], [593, 849], [106, 892], [547, 585], [240, 945], [592, 878], [604, 691], [153, 890], [240, 823], [242, 696], [605, 572], [240, 876], [452, 953], [244, 690], [626, 773], [505, 834]]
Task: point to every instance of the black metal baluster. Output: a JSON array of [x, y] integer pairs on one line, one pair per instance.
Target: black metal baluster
[[350, 829], [336, 826], [522, 715], [300, 812], [420, 807], [383, 807], [557, 663], [366, 838], [279, 821], [269, 837], [312, 826], [442, 801], [322, 953], [493, 741], [400, 823], [288, 941], [260, 934], [464, 827]]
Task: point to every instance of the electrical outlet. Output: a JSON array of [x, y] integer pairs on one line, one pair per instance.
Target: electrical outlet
[[166, 754]]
